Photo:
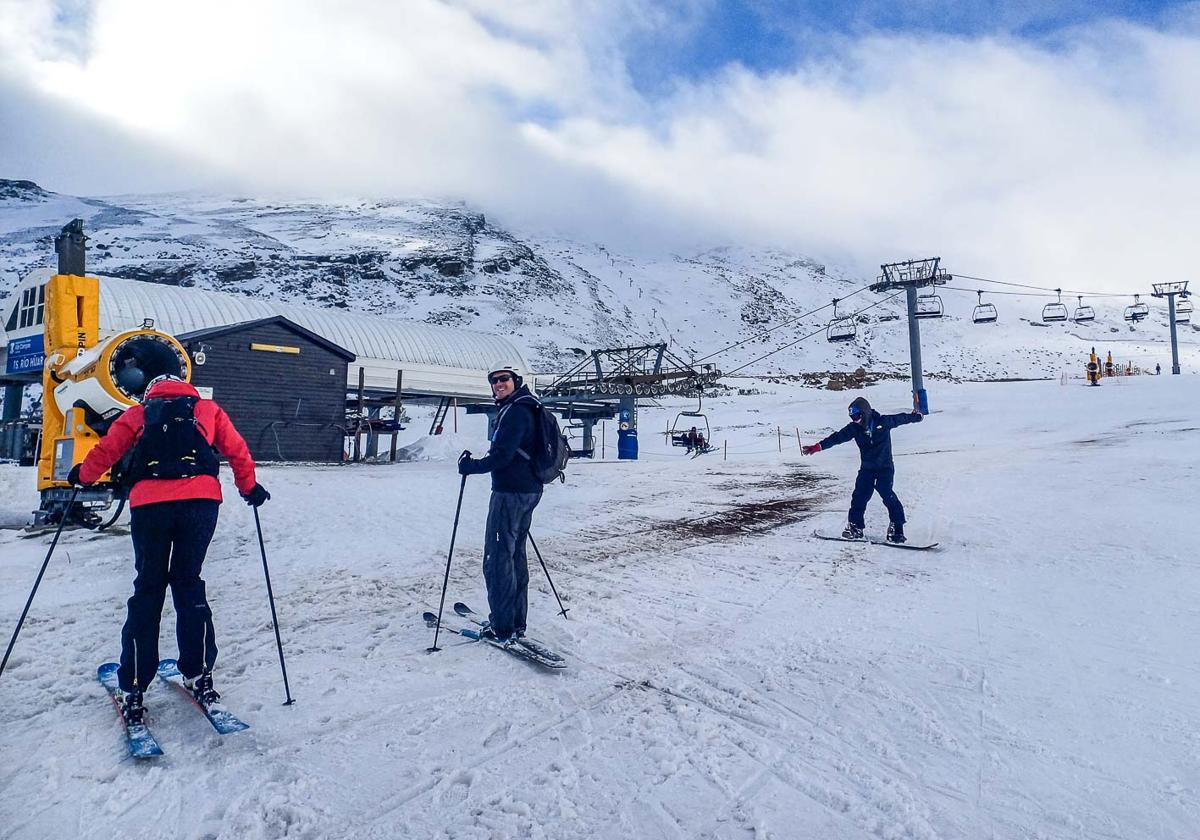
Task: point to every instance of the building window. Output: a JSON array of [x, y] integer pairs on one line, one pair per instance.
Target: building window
[[33, 306]]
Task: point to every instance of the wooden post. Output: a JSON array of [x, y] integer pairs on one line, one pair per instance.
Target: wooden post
[[456, 415], [362, 378], [779, 436], [398, 411], [798, 443], [725, 444], [603, 438]]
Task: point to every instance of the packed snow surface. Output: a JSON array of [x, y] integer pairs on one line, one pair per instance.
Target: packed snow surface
[[730, 676]]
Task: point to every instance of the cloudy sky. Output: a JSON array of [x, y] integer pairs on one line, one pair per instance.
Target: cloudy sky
[[1050, 142]]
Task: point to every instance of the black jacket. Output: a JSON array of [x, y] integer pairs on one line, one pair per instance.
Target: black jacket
[[516, 428], [874, 438]]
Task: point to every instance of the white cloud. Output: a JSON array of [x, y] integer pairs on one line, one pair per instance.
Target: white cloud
[[1075, 164]]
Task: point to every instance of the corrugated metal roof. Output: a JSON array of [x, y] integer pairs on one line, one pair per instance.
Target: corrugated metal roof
[[438, 361], [125, 303]]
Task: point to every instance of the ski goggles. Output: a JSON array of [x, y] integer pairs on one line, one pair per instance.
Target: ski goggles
[[500, 377], [855, 412]]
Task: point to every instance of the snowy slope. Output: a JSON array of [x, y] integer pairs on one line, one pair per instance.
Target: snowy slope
[[730, 676], [558, 298]]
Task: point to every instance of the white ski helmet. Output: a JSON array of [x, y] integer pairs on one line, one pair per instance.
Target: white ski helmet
[[163, 378], [509, 367]]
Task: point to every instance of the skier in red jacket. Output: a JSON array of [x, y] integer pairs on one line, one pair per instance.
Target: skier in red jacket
[[173, 513]]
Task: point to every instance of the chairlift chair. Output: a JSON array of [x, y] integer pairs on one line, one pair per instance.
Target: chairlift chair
[[841, 328], [1054, 312], [929, 306], [1183, 312], [985, 313], [685, 421], [684, 424], [1083, 313], [1137, 310]]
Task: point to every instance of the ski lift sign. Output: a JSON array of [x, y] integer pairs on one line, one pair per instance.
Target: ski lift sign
[[26, 354]]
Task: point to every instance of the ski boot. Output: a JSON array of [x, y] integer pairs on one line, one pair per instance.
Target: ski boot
[[895, 533], [131, 708], [852, 532], [202, 689], [486, 632]]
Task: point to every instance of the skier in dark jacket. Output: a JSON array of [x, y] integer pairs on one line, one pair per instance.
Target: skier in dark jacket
[[174, 503], [872, 432], [516, 491]]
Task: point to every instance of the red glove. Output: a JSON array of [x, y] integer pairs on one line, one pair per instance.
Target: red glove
[[811, 450]]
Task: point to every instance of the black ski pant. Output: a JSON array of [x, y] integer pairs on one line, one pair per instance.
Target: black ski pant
[[871, 481], [170, 540], [505, 567]]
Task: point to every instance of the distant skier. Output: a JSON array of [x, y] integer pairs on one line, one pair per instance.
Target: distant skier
[[516, 491], [1157, 369], [872, 432], [173, 512]]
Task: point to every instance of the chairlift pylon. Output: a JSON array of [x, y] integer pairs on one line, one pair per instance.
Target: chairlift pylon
[[1083, 313], [929, 306], [1055, 312], [985, 313], [841, 328], [1137, 310]]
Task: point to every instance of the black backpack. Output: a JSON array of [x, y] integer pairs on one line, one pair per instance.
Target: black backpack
[[551, 448], [172, 445]]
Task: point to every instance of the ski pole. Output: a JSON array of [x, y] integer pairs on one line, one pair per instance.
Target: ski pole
[[446, 580], [561, 609], [36, 583], [274, 618]]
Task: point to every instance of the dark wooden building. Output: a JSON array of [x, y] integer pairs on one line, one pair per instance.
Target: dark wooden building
[[283, 386]]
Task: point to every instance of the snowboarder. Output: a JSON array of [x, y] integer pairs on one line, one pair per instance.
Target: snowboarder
[[516, 491], [173, 503], [872, 432]]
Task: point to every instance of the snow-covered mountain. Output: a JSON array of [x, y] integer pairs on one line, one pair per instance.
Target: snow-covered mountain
[[449, 264]]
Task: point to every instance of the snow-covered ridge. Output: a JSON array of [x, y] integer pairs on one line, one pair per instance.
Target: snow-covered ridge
[[449, 264]]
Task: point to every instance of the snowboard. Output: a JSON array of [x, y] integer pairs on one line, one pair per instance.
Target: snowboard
[[911, 546]]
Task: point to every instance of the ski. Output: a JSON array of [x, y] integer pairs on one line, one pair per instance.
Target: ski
[[532, 645], [142, 743], [876, 541], [527, 649], [221, 718]]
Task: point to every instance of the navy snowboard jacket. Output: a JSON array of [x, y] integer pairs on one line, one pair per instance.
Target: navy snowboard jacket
[[516, 428], [874, 438]]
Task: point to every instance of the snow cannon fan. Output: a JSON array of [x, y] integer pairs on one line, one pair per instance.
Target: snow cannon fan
[[90, 382]]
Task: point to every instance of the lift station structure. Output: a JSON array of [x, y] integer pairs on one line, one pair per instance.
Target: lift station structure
[[608, 383]]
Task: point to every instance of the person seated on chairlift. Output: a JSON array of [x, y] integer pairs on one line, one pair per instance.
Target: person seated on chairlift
[[692, 437]]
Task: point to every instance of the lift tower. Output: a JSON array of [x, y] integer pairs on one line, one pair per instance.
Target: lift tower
[[911, 275], [1169, 291]]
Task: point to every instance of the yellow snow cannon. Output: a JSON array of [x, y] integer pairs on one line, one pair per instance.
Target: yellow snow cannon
[[87, 384]]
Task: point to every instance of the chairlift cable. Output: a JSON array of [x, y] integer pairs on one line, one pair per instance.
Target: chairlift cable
[[1046, 289], [779, 326], [817, 331]]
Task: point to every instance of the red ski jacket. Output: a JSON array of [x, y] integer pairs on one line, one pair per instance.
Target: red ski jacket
[[214, 424]]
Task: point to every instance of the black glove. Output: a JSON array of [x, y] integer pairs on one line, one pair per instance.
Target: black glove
[[73, 476], [256, 496], [464, 462]]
